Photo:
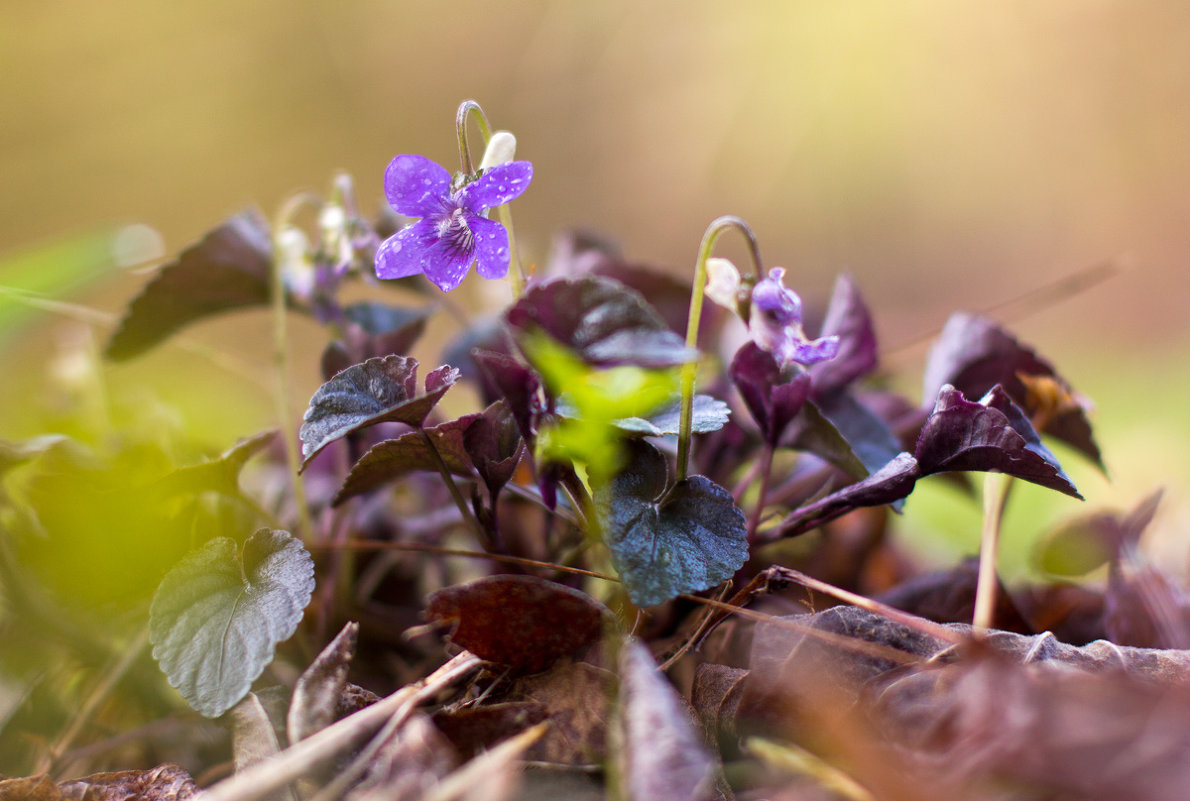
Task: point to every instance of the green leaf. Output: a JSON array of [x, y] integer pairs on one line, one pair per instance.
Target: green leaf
[[51, 271], [380, 390], [690, 539], [218, 616], [707, 414]]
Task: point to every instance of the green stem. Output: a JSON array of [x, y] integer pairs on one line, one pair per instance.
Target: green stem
[[469, 108], [690, 369], [516, 273], [281, 362], [995, 492]]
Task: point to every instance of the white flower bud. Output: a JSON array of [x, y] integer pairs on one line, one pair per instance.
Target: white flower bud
[[501, 149], [297, 267], [723, 283]]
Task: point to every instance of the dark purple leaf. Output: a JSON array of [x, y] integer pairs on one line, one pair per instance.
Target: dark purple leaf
[[374, 330], [1143, 607], [376, 391], [773, 398], [669, 295], [812, 432], [847, 317], [973, 354], [229, 269], [664, 758], [494, 444], [391, 459], [604, 322], [523, 622], [870, 439], [518, 385], [887, 485], [691, 539], [485, 336], [992, 435]]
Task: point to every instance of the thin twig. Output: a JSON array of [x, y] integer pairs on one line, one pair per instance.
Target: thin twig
[[263, 778]]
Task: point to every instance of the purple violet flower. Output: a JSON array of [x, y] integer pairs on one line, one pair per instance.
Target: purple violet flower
[[452, 233], [775, 324]]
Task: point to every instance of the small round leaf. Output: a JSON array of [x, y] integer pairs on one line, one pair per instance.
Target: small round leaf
[[217, 616]]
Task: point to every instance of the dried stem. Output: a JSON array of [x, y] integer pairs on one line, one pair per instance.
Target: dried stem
[[263, 778]]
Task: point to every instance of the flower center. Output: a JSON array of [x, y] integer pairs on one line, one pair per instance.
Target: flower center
[[455, 233]]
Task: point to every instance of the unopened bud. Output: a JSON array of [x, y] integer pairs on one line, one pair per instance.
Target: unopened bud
[[501, 149], [723, 283]]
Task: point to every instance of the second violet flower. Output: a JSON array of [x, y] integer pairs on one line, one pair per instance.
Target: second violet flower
[[452, 232]]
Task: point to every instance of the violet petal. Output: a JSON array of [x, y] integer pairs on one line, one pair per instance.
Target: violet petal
[[491, 247], [405, 253], [497, 186], [416, 186]]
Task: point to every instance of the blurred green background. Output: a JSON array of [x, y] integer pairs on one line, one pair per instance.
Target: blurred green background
[[948, 155]]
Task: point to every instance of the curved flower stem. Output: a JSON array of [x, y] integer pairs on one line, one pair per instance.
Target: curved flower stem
[[995, 492], [690, 369], [281, 361], [469, 108]]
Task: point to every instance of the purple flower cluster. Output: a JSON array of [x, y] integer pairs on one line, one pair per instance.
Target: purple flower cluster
[[775, 324], [452, 232]]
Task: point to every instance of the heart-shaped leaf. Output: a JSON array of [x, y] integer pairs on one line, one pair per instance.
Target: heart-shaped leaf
[[524, 622], [973, 354], [377, 391], [691, 539], [604, 322], [993, 434], [229, 269], [218, 616], [393, 458]]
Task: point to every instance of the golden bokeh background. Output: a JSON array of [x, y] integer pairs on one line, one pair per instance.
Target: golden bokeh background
[[948, 155]]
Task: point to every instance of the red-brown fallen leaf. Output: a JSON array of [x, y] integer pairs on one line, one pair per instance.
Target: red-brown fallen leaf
[[715, 696], [576, 697], [474, 730], [163, 783], [523, 622]]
